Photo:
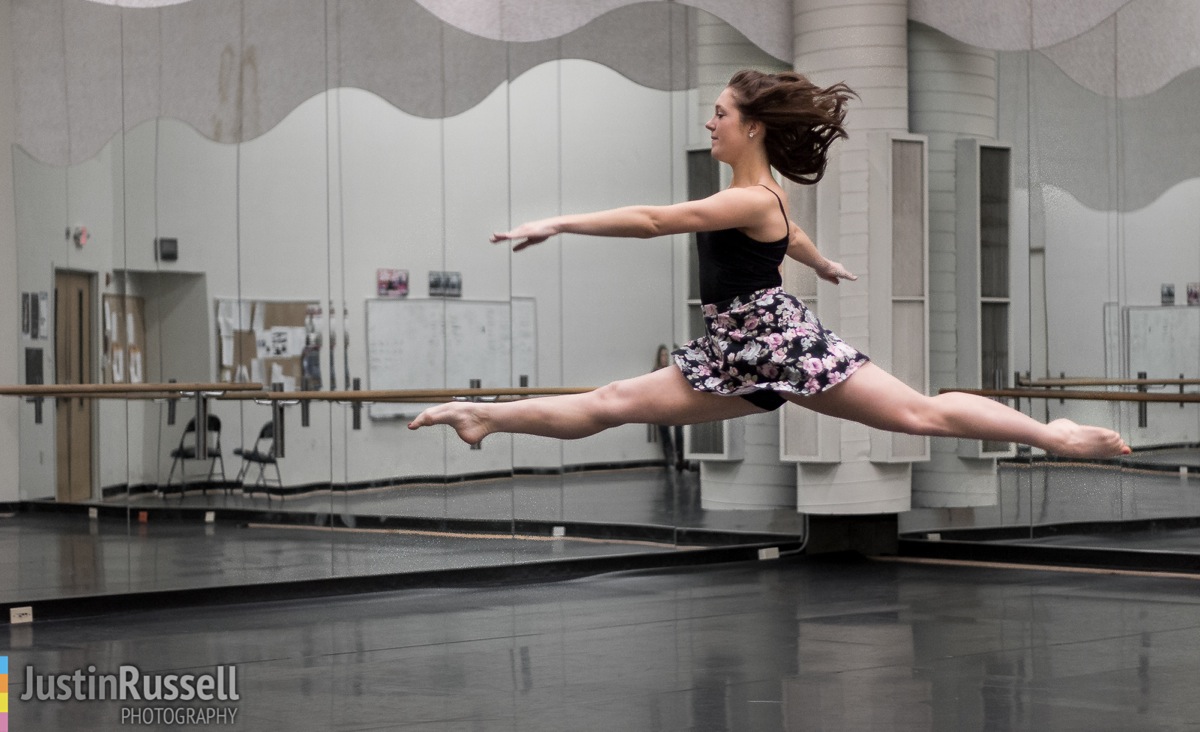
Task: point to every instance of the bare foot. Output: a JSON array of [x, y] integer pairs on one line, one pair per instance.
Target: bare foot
[[464, 417], [1083, 441]]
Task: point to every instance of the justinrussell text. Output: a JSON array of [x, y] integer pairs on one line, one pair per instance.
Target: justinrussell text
[[130, 684]]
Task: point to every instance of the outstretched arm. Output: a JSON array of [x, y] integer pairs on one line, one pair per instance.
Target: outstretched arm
[[732, 208], [802, 249]]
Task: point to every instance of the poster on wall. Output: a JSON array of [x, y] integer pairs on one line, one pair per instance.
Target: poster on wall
[[391, 282], [1168, 294], [1193, 293], [25, 297]]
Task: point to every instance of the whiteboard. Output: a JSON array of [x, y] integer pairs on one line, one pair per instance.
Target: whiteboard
[[446, 344], [1164, 341]]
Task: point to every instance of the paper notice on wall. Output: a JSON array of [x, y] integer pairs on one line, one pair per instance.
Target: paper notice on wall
[[136, 374], [130, 331], [258, 316], [287, 383], [227, 350], [118, 365], [226, 313], [282, 342], [44, 316]]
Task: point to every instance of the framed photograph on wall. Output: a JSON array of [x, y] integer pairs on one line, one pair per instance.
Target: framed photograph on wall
[[1193, 293], [445, 284], [1168, 294], [391, 282]]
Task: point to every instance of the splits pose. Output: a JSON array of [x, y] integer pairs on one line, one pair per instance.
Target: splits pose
[[762, 347]]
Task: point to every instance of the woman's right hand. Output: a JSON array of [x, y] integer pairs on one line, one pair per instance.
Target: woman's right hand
[[526, 235]]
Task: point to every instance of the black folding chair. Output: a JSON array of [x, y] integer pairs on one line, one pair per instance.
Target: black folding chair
[[187, 450], [262, 454]]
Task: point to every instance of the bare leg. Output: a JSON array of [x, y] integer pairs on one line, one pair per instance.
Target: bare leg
[[659, 397], [877, 399]]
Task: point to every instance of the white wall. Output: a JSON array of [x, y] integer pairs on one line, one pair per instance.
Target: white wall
[[10, 326], [40, 197], [618, 149]]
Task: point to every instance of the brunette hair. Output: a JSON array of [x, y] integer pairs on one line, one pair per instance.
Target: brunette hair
[[801, 119]]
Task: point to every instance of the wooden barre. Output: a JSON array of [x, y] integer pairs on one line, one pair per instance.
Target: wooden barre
[[404, 395], [1085, 381], [255, 392], [1102, 396], [121, 390]]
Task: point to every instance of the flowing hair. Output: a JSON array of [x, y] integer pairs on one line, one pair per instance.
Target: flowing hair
[[801, 119]]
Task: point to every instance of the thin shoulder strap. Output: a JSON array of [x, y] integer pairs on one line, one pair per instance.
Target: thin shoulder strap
[[780, 201]]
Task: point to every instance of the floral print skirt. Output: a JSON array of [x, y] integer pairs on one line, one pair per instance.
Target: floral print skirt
[[768, 340]]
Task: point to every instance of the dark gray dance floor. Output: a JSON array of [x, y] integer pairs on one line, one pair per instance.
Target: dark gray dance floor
[[795, 644]]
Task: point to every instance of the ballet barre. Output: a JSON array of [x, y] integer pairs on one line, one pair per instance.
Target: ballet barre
[[357, 398], [200, 391], [1112, 396], [122, 390], [1088, 381], [276, 398], [1142, 384], [408, 395], [1142, 397]]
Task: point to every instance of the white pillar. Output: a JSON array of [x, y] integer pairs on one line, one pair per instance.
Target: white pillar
[[953, 96], [865, 46]]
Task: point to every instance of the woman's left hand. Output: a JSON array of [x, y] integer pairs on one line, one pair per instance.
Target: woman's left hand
[[834, 272]]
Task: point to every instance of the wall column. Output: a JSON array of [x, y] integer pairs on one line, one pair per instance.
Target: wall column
[[866, 46], [953, 96]]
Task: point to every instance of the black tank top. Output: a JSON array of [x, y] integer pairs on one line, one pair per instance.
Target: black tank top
[[733, 264]]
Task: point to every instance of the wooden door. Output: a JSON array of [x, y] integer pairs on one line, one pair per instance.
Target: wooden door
[[73, 297]]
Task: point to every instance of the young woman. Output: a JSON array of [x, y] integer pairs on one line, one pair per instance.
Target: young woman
[[763, 346]]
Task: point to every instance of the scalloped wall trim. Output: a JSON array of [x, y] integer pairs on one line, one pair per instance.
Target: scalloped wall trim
[[85, 70]]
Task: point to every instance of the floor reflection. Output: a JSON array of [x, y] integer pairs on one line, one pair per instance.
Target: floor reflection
[[1149, 501], [155, 546], [61, 555], [644, 496]]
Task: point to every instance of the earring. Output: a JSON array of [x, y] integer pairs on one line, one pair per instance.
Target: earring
[[752, 134]]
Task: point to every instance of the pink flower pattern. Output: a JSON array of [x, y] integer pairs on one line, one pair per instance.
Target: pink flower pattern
[[769, 340]]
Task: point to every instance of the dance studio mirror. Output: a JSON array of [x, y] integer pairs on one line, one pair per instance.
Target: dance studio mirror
[[301, 196], [1091, 281]]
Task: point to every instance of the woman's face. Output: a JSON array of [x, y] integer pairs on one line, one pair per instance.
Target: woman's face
[[730, 134]]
